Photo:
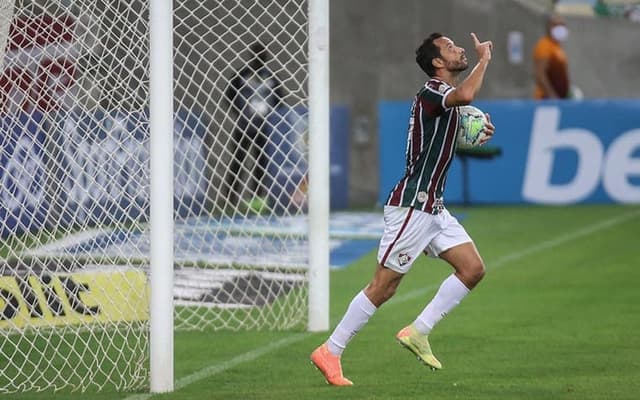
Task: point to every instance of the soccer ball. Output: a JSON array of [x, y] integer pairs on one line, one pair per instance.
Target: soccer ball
[[471, 122]]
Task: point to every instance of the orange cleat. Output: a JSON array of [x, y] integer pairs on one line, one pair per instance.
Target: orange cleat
[[330, 366]]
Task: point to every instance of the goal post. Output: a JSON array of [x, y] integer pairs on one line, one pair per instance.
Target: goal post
[[161, 213], [165, 167], [319, 165], [6, 16]]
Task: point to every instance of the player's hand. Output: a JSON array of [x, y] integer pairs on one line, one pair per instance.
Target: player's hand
[[483, 49], [489, 130]]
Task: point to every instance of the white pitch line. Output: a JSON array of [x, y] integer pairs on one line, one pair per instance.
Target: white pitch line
[[215, 369], [67, 241]]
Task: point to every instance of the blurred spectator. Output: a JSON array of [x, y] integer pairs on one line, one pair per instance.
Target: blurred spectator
[[632, 12], [551, 67], [251, 96], [619, 9], [601, 9]]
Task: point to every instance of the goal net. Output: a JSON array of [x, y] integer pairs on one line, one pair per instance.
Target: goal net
[[75, 178]]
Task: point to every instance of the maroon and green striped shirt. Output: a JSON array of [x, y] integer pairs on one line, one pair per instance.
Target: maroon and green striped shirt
[[431, 144]]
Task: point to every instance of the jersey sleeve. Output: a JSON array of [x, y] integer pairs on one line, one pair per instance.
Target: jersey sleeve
[[433, 97]]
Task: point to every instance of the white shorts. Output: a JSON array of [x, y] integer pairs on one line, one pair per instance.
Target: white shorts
[[409, 232]]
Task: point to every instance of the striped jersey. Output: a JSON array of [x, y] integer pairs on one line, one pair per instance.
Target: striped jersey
[[431, 144]]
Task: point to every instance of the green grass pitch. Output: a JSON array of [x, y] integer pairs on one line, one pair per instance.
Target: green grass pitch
[[556, 317]]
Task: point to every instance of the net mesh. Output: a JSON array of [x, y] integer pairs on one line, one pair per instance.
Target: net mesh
[[74, 169]]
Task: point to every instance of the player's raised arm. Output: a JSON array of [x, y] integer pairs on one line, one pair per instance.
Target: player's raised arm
[[466, 91]]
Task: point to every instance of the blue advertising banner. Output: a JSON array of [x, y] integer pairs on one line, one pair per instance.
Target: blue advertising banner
[[287, 145], [190, 183], [553, 152], [103, 166], [339, 118], [23, 200]]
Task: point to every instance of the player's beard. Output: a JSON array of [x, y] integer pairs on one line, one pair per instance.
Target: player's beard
[[458, 65]]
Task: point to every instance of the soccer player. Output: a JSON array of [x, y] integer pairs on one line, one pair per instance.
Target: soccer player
[[415, 218]]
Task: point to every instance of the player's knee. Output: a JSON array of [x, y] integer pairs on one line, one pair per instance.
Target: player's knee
[[479, 271], [378, 293], [476, 272], [472, 273], [389, 292]]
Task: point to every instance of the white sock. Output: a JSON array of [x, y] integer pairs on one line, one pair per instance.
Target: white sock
[[357, 315], [451, 292]]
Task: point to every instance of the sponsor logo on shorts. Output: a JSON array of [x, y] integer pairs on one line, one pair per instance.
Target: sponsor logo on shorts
[[403, 259]]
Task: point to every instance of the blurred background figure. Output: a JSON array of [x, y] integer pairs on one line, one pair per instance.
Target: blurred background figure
[[551, 66], [251, 96], [618, 9]]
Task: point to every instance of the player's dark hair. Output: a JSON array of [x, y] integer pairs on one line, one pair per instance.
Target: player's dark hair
[[427, 52]]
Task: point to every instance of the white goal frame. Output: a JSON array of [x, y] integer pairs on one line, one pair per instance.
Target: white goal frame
[[161, 217], [161, 205]]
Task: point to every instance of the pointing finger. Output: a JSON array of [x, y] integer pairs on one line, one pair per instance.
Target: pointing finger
[[475, 39]]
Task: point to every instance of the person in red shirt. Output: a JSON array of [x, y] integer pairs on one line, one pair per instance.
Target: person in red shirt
[[551, 67]]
